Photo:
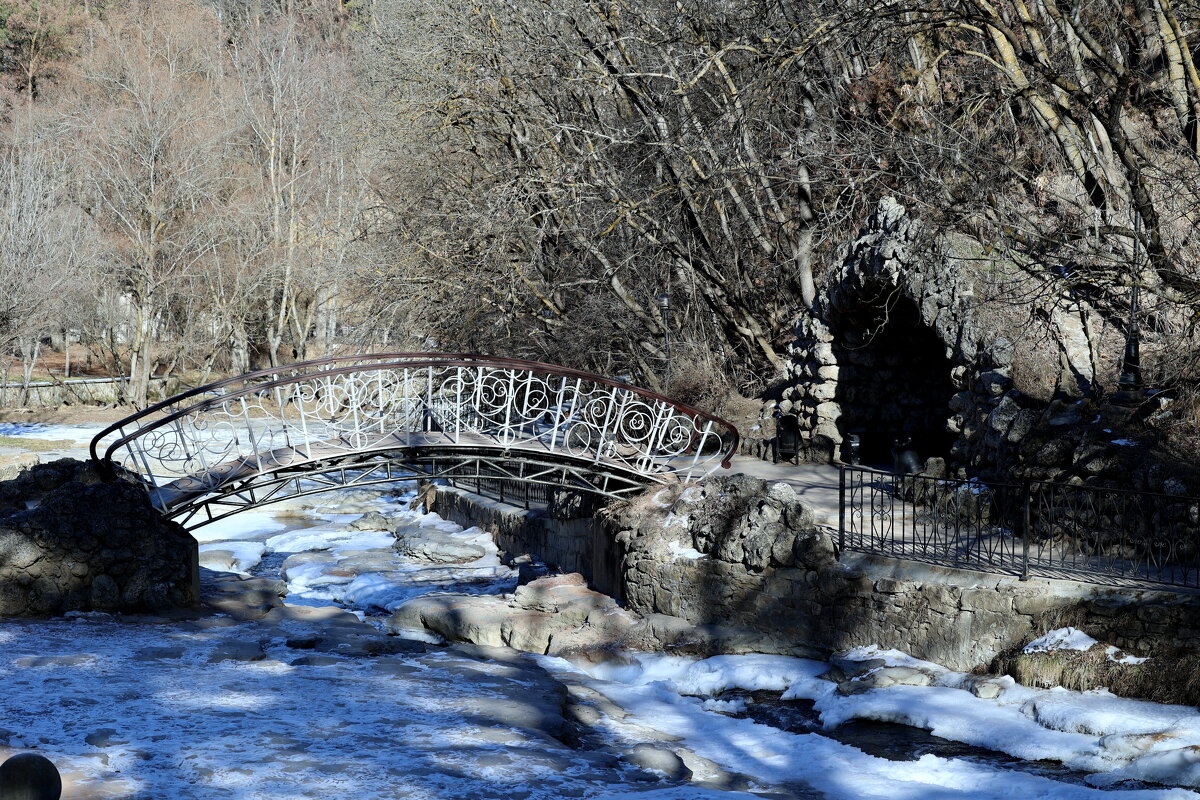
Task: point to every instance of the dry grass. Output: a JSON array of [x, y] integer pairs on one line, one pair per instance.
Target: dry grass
[[699, 380], [656, 501], [1164, 679], [36, 445], [1177, 367], [1179, 424]]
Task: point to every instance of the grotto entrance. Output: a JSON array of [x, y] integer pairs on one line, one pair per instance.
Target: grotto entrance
[[893, 380]]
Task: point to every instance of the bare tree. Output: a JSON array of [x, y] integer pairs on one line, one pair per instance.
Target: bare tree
[[628, 150], [590, 156], [43, 250], [297, 106], [38, 35], [146, 130]]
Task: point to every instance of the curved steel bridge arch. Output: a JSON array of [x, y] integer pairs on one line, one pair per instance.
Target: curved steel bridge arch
[[355, 420]]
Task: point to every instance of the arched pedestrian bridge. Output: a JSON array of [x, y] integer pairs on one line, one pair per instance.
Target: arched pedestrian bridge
[[356, 420]]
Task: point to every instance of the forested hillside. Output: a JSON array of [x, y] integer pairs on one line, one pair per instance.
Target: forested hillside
[[589, 156], [184, 182], [215, 185]]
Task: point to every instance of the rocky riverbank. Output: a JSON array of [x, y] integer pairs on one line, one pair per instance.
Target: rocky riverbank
[[735, 565]]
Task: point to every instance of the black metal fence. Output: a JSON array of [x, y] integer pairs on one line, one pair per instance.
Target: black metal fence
[[1032, 528], [506, 490]]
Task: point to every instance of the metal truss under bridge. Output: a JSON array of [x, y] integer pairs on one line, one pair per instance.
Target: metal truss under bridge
[[349, 421]]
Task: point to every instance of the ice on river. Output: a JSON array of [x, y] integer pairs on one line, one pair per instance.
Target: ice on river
[[138, 710], [331, 563], [129, 709], [322, 538], [80, 434], [74, 439], [1096, 732]]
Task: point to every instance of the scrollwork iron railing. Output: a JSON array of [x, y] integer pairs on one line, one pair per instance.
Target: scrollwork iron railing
[[316, 412]]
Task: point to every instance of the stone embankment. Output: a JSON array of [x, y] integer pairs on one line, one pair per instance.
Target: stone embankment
[[69, 542], [734, 565]]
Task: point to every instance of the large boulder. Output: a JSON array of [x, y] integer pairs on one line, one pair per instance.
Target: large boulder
[[736, 519], [69, 542], [478, 619], [556, 614], [440, 548]]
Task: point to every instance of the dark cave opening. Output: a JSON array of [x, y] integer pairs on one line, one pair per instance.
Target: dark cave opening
[[893, 381]]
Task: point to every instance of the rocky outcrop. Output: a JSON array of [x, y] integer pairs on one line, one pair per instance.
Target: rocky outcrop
[[999, 374], [11, 466], [556, 614], [438, 548], [69, 542], [733, 553]]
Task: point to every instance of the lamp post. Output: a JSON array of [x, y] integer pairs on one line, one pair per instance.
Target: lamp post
[[664, 306]]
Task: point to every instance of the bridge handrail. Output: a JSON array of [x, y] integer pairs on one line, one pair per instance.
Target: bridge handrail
[[246, 378], [375, 362]]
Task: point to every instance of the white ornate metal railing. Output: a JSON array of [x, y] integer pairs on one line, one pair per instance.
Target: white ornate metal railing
[[317, 412]]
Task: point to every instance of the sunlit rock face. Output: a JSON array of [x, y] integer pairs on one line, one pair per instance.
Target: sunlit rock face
[[69, 542]]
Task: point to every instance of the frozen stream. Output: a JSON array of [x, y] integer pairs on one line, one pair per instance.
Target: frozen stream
[[215, 708]]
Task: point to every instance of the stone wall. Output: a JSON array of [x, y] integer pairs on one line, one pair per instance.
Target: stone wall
[[565, 541], [742, 567], [71, 543]]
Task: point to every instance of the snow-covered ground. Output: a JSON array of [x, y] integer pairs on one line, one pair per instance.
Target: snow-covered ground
[[132, 710], [140, 709], [1114, 739]]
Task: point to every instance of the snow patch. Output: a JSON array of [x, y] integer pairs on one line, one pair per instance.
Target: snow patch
[[308, 539], [709, 676], [839, 771], [1115, 738], [246, 555], [1121, 657], [679, 551], [242, 526], [435, 521], [1060, 639]]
